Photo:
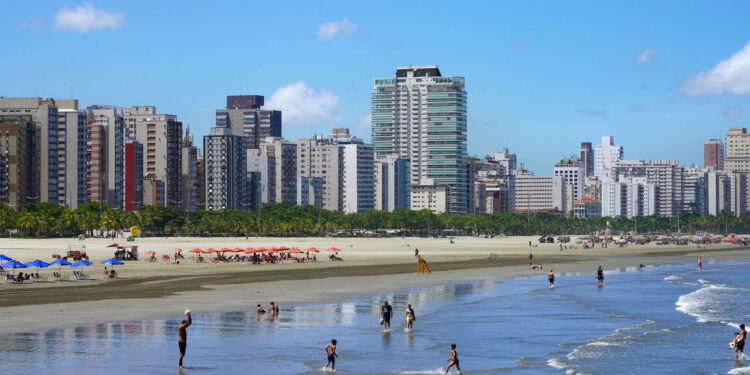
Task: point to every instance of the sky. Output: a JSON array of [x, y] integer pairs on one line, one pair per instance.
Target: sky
[[541, 76]]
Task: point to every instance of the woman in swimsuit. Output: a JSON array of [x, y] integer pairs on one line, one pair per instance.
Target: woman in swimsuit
[[409, 317]]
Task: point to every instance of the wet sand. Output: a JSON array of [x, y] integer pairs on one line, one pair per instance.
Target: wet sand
[[150, 290]]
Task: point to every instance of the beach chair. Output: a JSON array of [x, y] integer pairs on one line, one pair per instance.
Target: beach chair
[[36, 277]]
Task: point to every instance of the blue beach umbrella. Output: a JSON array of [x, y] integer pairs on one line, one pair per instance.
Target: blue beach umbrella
[[81, 263], [14, 264], [59, 262], [4, 258], [112, 261], [37, 263]]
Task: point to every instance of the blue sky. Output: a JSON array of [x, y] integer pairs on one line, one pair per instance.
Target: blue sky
[[541, 76]]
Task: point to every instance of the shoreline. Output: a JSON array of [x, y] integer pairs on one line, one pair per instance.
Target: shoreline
[[243, 297]]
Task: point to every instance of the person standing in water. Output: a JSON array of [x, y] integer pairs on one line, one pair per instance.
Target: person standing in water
[[409, 317], [739, 342], [386, 313], [453, 360], [551, 278], [331, 354], [600, 276], [700, 263], [182, 336]]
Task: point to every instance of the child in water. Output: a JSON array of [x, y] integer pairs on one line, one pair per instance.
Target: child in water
[[453, 360], [331, 353]]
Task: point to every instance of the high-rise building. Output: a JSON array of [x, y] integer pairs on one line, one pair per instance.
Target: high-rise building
[[18, 168], [420, 115], [161, 137], [106, 175], [726, 192], [282, 170], [572, 170], [44, 115], [244, 116], [505, 159], [667, 175], [345, 166], [225, 168], [737, 157], [189, 179], [392, 184], [713, 154], [606, 156], [586, 155], [71, 153], [133, 166], [635, 196], [538, 193], [694, 191]]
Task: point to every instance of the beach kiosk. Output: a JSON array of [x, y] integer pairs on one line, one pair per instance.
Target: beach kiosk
[[125, 251]]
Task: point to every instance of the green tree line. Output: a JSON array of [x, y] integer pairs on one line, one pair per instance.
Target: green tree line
[[53, 220]]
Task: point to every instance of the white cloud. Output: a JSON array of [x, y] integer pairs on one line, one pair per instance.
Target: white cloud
[[591, 113], [647, 55], [304, 107], [733, 112], [728, 76], [328, 30], [86, 18]]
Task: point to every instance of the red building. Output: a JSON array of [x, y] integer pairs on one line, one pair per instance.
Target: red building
[[133, 175]]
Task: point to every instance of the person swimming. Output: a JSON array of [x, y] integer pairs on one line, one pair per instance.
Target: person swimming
[[453, 360]]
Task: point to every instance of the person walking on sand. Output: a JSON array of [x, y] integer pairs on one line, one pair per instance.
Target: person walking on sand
[[600, 276], [409, 317], [700, 263], [531, 258], [739, 342], [453, 360], [331, 355], [416, 252], [551, 278], [386, 313], [182, 336]]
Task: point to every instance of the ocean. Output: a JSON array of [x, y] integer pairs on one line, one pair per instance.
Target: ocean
[[670, 319]]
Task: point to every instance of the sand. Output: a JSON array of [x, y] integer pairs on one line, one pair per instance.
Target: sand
[[161, 289]]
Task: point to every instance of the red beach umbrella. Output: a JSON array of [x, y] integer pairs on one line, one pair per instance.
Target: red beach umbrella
[[333, 250], [150, 252], [196, 250], [296, 251], [271, 251], [313, 250], [262, 249], [251, 250], [223, 250], [211, 250], [177, 250], [282, 248], [237, 250]]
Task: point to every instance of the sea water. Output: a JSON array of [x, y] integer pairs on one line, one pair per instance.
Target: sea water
[[660, 320]]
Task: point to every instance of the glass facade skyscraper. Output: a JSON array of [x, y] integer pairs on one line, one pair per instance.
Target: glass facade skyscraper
[[421, 116]]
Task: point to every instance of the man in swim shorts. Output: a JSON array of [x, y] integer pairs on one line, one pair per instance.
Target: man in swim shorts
[[386, 312], [739, 342], [600, 276], [182, 336], [551, 278]]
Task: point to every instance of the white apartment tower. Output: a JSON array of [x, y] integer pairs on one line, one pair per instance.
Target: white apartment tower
[[420, 115], [573, 172], [606, 157]]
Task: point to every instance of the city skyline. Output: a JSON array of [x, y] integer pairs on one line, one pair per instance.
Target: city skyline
[[609, 75]]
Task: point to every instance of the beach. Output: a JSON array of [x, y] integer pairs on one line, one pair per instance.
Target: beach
[[154, 290]]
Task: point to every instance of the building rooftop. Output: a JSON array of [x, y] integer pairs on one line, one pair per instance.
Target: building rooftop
[[418, 71]]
